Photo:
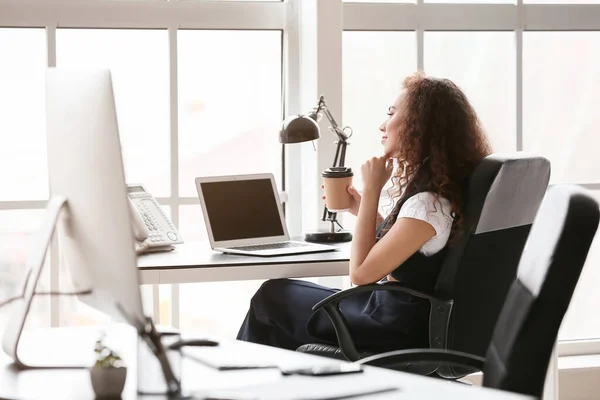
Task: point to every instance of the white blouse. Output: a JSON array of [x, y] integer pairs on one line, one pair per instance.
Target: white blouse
[[436, 211]]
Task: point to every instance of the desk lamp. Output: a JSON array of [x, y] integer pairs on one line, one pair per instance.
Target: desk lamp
[[304, 128]]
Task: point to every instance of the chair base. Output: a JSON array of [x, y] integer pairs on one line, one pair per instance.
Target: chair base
[[325, 350]]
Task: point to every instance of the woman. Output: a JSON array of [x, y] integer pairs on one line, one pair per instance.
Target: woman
[[435, 136]]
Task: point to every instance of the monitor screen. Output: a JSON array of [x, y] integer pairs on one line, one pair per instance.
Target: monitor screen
[[242, 209]]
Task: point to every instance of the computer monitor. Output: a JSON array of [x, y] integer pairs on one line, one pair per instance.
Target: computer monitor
[[85, 166], [87, 182]]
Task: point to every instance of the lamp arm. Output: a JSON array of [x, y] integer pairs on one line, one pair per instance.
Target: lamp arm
[[340, 152], [339, 132], [322, 107]]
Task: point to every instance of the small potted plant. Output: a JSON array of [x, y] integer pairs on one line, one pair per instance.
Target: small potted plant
[[108, 373]]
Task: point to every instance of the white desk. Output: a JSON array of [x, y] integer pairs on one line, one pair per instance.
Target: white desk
[[78, 342], [197, 262]]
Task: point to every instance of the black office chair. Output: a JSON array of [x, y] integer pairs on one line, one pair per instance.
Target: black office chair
[[503, 196], [517, 357]]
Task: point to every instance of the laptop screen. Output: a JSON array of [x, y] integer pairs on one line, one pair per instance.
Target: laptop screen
[[242, 209]]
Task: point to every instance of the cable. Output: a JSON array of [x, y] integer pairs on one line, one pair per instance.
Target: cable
[[142, 247], [11, 299]]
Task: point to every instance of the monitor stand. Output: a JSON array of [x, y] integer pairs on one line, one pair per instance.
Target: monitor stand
[[14, 329], [35, 260], [152, 338]]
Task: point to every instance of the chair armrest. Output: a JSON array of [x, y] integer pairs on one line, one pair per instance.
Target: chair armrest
[[403, 359], [331, 307], [391, 286]]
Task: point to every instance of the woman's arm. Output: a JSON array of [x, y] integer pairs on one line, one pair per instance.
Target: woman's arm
[[370, 260], [355, 206], [363, 238]]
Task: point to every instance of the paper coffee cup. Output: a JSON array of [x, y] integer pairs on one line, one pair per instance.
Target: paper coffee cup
[[336, 181]]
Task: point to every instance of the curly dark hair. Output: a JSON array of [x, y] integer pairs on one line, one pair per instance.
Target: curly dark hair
[[440, 141]]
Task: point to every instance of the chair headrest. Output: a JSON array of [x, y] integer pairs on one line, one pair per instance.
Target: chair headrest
[[505, 191]]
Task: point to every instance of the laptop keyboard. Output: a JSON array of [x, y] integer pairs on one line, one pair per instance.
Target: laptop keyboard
[[270, 246]]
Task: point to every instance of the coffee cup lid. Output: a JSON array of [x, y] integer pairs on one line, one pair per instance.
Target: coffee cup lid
[[337, 172]]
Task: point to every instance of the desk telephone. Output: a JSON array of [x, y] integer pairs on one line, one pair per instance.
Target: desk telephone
[[152, 229]]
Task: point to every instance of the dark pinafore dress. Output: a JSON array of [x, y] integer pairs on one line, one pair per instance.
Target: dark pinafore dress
[[281, 313]]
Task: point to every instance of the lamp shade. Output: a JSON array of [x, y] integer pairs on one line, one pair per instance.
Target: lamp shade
[[298, 128]]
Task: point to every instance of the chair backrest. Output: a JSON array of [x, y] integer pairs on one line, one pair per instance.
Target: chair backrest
[[518, 356], [503, 195]]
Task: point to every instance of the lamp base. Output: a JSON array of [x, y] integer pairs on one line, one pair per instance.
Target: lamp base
[[328, 237]]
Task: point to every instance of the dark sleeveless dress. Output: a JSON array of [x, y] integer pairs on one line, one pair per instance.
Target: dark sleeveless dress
[[281, 314]]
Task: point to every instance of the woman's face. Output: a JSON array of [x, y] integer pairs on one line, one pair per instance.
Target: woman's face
[[391, 127]]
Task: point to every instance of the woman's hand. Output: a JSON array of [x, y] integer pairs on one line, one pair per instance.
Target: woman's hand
[[376, 172], [355, 203]]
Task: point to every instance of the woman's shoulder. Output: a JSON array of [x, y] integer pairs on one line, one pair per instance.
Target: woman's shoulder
[[429, 207], [429, 201]]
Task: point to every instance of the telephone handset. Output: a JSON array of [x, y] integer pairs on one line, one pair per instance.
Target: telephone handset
[[152, 229]]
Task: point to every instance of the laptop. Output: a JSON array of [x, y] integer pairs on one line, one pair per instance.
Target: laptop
[[243, 215]]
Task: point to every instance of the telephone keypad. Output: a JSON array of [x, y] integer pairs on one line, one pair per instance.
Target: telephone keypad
[[160, 230], [155, 237]]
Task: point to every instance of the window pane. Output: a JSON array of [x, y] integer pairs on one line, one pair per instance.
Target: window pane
[[379, 1], [22, 116], [473, 1], [582, 320], [199, 316], [235, 0], [139, 61], [191, 224], [229, 104], [17, 230], [561, 1], [561, 93], [482, 64], [196, 314], [374, 66]]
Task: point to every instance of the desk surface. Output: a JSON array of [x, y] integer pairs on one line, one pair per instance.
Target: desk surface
[[197, 262], [200, 255], [198, 378]]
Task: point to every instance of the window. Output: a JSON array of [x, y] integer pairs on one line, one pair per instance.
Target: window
[[23, 162], [561, 77], [482, 64], [190, 101], [472, 1], [374, 66], [139, 63], [192, 226], [561, 2], [534, 84], [141, 89], [230, 111], [229, 104], [379, 1], [199, 91], [203, 307], [22, 117], [16, 240]]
